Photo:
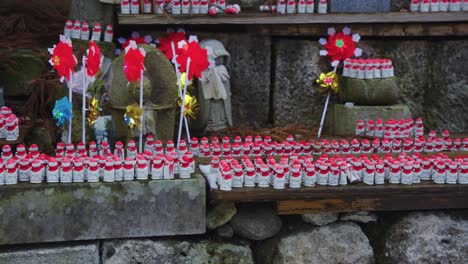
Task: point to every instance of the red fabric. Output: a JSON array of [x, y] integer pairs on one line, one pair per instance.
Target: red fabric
[[198, 59], [165, 43], [94, 59], [63, 60], [133, 64]]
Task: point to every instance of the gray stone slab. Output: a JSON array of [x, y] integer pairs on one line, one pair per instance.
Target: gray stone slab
[[341, 120], [359, 6], [74, 253], [84, 211]]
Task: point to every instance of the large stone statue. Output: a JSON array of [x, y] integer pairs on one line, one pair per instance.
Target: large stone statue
[[214, 91]]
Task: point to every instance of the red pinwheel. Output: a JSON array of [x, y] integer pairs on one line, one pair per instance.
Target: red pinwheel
[[94, 59], [165, 43], [198, 58], [62, 58], [340, 46], [134, 62]]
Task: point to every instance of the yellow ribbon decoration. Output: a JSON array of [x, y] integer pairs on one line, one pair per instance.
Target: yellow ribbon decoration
[[191, 107], [93, 111], [182, 79], [328, 81], [133, 115]]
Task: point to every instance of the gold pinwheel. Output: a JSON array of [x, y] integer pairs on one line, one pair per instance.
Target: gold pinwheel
[[328, 82], [133, 115]]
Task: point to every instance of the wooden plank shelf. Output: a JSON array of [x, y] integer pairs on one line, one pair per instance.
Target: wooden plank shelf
[[268, 24], [257, 18], [355, 197]]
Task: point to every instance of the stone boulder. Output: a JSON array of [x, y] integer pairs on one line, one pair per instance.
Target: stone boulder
[[320, 219], [334, 243], [160, 95], [359, 217], [169, 251], [225, 231], [427, 237], [220, 214], [256, 222], [369, 92]]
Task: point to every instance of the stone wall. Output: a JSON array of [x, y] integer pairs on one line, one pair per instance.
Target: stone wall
[[260, 236]]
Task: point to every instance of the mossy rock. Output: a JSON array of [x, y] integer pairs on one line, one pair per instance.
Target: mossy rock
[[23, 67], [43, 137], [369, 92], [159, 93]]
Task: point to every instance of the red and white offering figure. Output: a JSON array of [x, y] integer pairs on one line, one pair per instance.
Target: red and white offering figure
[[11, 174], [78, 170], [322, 173], [249, 177], [2, 126], [439, 172], [264, 176], [225, 183], [417, 172], [12, 128], [322, 7], [20, 151], [355, 146], [407, 173], [185, 9], [334, 175], [309, 177], [194, 146], [232, 9], [96, 35], [141, 170], [184, 171], [2, 173], [435, 4], [109, 34], [195, 7], [118, 169], [176, 9], [52, 172], [35, 175], [149, 143], [457, 144], [279, 181], [281, 6], [147, 7], [464, 5], [310, 6], [452, 173], [125, 7], [158, 148], [67, 31], [135, 7], [24, 169], [108, 175], [92, 171], [463, 173], [360, 129], [129, 169], [238, 177], [6, 153], [81, 150], [424, 6], [92, 149], [70, 150], [76, 31], [84, 34], [379, 177], [301, 6], [105, 149], [455, 5], [426, 169], [168, 168], [295, 176], [203, 7], [66, 173], [368, 175], [157, 168], [394, 175], [414, 6], [131, 149], [118, 150], [444, 5]]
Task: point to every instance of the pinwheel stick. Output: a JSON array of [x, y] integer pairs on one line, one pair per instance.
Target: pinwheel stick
[[176, 65], [70, 100], [142, 121], [183, 101], [83, 105], [324, 113]]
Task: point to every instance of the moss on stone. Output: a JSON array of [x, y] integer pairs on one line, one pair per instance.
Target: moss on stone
[[369, 92]]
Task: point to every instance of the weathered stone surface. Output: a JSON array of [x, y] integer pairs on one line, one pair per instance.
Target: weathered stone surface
[[57, 254], [341, 120], [225, 231], [220, 214], [256, 221], [369, 92], [160, 95], [446, 99], [359, 6], [168, 251], [320, 219], [80, 47], [43, 137], [20, 69], [297, 64], [81, 211], [92, 11], [427, 237], [334, 243], [359, 217]]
